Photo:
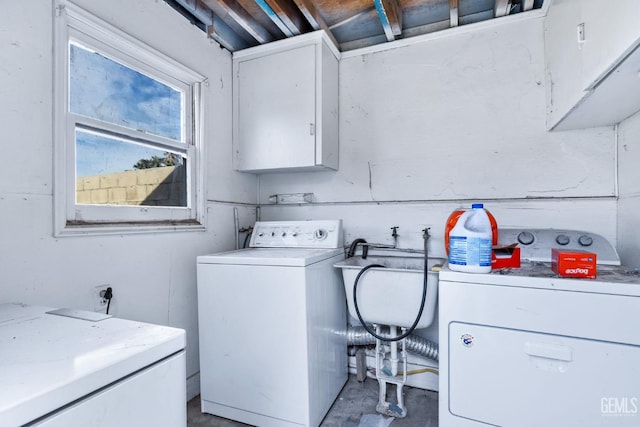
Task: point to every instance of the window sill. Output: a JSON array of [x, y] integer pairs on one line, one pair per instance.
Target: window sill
[[72, 229]]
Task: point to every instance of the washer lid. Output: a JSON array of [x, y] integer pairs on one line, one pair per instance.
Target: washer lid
[[271, 256], [48, 361]]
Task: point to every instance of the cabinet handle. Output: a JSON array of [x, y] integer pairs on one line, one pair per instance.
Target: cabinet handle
[[312, 129], [548, 351]]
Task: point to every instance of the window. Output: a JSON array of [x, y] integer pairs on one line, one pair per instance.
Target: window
[[127, 147]]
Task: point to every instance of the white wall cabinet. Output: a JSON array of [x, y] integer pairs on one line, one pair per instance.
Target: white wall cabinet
[[286, 105], [592, 60]]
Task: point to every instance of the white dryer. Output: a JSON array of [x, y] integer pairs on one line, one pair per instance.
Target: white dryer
[[272, 322], [72, 368], [524, 347]]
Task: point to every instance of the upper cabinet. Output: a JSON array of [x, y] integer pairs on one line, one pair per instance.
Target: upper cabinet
[[592, 61], [285, 105]]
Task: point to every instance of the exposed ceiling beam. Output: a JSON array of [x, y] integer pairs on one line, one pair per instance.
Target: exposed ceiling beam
[[501, 8], [275, 18], [390, 15], [214, 26], [526, 5], [453, 12], [289, 15], [315, 19], [225, 36], [234, 11]]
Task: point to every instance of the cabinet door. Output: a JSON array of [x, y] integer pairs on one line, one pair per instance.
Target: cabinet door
[[578, 97], [276, 110], [611, 31]]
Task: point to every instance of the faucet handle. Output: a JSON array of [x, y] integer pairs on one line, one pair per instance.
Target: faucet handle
[[394, 232]]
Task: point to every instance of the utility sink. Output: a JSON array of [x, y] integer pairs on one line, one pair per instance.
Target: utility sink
[[391, 295]]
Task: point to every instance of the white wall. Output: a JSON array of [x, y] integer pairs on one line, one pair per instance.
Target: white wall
[[448, 119], [153, 275], [629, 203]]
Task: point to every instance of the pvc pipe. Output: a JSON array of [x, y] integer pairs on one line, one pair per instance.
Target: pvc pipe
[[393, 332], [236, 226]]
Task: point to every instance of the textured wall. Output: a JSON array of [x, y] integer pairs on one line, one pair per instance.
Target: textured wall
[[449, 119]]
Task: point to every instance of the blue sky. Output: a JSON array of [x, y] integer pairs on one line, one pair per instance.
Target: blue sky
[[97, 155], [108, 91]]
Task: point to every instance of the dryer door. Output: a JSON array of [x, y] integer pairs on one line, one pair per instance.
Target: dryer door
[[510, 377]]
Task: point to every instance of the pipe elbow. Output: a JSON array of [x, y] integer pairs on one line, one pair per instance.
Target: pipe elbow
[[354, 247]]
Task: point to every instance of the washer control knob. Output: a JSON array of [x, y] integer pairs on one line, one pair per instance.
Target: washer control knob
[[525, 237], [585, 240], [273, 233], [320, 234], [562, 239], [294, 234], [260, 234]]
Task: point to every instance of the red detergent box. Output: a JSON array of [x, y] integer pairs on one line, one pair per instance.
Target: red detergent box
[[573, 263], [505, 256]]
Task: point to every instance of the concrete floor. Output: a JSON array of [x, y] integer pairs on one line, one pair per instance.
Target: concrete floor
[[354, 407]]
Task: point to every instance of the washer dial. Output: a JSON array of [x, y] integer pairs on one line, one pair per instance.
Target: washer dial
[[526, 238], [320, 234], [585, 240]]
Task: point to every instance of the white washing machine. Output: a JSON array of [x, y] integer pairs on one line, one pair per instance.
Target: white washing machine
[[71, 368], [524, 347], [272, 322]]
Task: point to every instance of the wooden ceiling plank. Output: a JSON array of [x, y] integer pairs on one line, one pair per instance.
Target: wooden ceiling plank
[[353, 18], [244, 19], [409, 32], [290, 15], [453, 12], [362, 43], [315, 19], [390, 15]]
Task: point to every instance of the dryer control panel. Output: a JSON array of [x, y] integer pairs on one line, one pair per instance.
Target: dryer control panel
[[321, 234], [536, 243]]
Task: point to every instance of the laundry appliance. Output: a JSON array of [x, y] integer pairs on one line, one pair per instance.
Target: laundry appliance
[[524, 347], [68, 368], [272, 321]]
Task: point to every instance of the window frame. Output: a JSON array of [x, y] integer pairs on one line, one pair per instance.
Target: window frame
[[75, 25]]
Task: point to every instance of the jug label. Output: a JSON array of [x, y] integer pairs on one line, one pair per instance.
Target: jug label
[[469, 251]]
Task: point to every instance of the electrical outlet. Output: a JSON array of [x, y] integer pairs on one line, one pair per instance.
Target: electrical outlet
[[99, 302]]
